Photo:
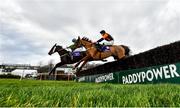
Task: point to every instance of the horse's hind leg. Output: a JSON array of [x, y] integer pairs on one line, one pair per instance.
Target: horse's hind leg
[[115, 57], [120, 53]]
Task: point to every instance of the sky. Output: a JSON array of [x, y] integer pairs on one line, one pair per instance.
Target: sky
[[29, 28]]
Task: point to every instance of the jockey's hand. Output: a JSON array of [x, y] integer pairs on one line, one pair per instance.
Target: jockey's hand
[[95, 43]]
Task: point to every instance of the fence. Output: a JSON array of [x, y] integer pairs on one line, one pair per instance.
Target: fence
[[167, 55]]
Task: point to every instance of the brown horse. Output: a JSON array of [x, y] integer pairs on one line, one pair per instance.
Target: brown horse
[[117, 51]]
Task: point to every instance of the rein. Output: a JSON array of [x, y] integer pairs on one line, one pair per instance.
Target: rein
[[85, 44], [60, 50], [64, 55]]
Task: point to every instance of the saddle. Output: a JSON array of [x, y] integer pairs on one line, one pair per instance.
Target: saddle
[[102, 48]]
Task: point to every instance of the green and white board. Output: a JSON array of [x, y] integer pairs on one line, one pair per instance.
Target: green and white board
[[169, 73]]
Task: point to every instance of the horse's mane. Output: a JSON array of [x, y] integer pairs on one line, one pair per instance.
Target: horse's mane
[[86, 39]]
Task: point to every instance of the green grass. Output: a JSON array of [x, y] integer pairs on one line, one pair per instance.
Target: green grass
[[34, 93]]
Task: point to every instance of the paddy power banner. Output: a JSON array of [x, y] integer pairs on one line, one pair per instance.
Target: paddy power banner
[[169, 73]]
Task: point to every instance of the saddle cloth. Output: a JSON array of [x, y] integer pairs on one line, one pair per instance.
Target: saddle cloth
[[102, 48], [76, 54]]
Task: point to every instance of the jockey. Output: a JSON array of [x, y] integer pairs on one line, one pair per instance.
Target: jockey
[[73, 50], [106, 39], [73, 47]]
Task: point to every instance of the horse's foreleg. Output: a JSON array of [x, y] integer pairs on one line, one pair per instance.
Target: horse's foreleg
[[77, 64], [54, 68], [85, 61]]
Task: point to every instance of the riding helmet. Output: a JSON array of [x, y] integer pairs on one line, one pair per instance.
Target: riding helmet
[[74, 40], [102, 31]]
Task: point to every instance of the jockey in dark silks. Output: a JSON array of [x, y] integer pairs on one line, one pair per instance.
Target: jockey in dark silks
[[74, 50], [73, 46]]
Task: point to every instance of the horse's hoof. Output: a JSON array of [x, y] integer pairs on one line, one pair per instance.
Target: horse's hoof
[[73, 68], [78, 70]]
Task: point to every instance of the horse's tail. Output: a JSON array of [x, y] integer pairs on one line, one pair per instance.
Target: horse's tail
[[127, 50]]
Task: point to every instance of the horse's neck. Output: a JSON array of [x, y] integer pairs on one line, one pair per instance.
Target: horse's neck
[[86, 44], [63, 52]]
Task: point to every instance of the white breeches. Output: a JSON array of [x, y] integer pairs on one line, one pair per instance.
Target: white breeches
[[104, 42]]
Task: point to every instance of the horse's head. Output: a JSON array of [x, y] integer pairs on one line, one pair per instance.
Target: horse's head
[[83, 42], [54, 49], [78, 42]]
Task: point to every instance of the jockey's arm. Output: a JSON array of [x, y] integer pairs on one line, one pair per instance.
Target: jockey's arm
[[104, 37], [72, 47], [100, 40]]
